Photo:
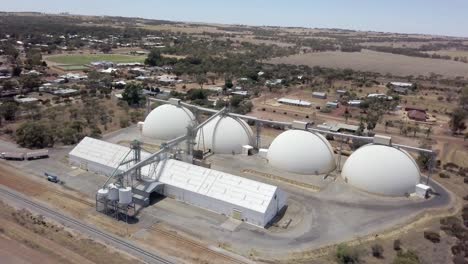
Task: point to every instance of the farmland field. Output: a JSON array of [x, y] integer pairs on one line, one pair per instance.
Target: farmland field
[[451, 53], [83, 59], [72, 67], [378, 62]]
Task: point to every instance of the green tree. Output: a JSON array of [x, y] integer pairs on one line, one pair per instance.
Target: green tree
[[361, 127], [464, 98], [347, 115], [457, 121], [201, 80], [197, 94], [228, 83], [416, 129], [133, 94], [346, 254], [8, 110], [424, 159], [105, 48], [96, 132], [428, 131], [70, 136], [11, 51], [407, 257], [30, 81], [16, 71], [236, 100], [154, 58], [8, 85], [34, 57], [34, 134]]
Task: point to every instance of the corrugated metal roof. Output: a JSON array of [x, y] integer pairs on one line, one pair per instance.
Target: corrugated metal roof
[[218, 185], [294, 101], [101, 152], [401, 84]]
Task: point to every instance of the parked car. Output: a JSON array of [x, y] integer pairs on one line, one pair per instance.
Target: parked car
[[52, 178]]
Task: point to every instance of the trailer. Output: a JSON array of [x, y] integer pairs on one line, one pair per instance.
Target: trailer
[[39, 154], [12, 155]]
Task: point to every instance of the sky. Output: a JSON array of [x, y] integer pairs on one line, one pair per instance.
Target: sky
[[440, 17]]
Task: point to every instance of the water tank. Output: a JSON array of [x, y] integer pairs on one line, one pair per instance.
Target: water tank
[[113, 194], [102, 193], [125, 195]]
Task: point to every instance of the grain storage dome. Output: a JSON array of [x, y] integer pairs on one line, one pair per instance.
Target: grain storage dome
[[382, 170], [224, 135], [302, 152], [167, 122]]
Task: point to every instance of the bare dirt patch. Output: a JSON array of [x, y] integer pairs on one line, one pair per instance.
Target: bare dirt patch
[[52, 242], [378, 62]]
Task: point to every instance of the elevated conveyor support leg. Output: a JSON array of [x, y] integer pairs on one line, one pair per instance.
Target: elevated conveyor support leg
[[136, 147], [258, 131]]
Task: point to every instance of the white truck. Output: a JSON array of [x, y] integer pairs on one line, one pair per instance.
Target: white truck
[[12, 155], [39, 154]]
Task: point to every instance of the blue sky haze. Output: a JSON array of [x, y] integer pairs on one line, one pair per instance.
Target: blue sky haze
[[442, 17]]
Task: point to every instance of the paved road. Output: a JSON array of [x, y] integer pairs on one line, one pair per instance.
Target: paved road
[[95, 233]]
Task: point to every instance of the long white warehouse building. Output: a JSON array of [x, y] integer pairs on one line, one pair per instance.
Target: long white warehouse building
[[244, 199]]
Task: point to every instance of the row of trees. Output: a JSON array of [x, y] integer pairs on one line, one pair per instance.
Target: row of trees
[[459, 115]]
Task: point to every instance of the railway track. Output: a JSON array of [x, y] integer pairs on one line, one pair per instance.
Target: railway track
[[130, 248], [197, 246], [71, 197]]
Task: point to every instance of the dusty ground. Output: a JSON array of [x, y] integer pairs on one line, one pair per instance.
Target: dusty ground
[[378, 62], [47, 242], [178, 245]]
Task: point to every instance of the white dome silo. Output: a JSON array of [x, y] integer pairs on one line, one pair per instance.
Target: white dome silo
[[382, 170], [301, 152], [167, 122], [224, 135]]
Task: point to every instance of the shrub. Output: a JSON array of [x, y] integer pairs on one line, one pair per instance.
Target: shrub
[[432, 236], [346, 254], [444, 175], [457, 249], [34, 135], [397, 244], [459, 259], [408, 257], [377, 251], [465, 180], [8, 131], [124, 122]]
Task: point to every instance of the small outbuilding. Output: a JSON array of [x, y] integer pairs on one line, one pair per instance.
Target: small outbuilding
[[320, 95]]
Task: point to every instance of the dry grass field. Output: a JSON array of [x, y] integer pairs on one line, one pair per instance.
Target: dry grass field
[[189, 29], [451, 53], [378, 62], [401, 44]]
